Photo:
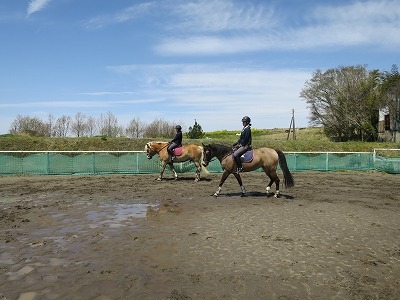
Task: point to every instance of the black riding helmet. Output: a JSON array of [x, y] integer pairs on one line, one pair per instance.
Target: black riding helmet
[[178, 127], [246, 119]]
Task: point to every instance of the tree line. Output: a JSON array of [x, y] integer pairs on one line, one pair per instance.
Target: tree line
[[87, 126]]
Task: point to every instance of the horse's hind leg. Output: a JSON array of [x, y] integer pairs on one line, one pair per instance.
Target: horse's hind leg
[[273, 178], [239, 180], [171, 165], [198, 170]]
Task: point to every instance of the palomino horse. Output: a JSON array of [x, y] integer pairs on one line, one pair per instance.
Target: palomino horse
[[264, 158], [190, 152]]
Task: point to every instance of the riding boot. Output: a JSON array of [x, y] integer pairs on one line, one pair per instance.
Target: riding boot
[[172, 156], [239, 165]]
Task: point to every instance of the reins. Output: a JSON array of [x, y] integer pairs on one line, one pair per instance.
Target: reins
[[158, 152]]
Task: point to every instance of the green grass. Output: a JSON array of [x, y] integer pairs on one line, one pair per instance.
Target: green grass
[[307, 140]]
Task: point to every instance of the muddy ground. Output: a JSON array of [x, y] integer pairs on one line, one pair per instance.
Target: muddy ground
[[334, 235]]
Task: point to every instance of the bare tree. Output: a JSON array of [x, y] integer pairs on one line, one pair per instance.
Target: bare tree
[[91, 126], [135, 128], [108, 125], [50, 124], [159, 128], [28, 125], [79, 126], [61, 128]]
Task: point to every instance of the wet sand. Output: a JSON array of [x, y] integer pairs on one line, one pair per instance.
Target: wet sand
[[333, 236]]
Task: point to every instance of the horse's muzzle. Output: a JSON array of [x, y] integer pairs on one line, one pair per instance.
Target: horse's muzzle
[[149, 156]]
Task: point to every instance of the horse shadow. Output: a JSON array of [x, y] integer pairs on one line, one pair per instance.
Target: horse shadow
[[258, 195], [184, 179]]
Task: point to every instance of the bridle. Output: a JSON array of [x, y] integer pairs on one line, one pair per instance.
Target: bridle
[[206, 162], [148, 147]]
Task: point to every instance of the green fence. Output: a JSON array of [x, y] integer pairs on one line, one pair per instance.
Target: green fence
[[136, 162]]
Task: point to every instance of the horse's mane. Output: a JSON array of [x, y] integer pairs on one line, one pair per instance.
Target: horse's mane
[[160, 142], [221, 149]]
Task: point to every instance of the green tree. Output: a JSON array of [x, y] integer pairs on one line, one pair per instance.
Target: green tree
[[345, 101], [195, 132]]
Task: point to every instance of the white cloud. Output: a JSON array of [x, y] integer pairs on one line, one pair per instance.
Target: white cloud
[[217, 95], [132, 12], [214, 16], [362, 23], [36, 5]]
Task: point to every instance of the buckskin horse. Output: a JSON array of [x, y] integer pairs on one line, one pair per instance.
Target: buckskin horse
[[190, 152], [264, 158]]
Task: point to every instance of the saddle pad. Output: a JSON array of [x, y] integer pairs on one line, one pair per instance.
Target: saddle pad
[[246, 157], [178, 150]]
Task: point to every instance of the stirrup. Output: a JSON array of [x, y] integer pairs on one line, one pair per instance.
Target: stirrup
[[239, 170]]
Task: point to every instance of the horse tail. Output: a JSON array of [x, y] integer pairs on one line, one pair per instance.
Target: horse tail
[[288, 178]]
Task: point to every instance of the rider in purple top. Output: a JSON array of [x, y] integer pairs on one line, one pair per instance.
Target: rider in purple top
[[243, 144]]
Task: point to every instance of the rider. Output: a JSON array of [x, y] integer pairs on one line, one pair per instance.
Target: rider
[[243, 144], [175, 142]]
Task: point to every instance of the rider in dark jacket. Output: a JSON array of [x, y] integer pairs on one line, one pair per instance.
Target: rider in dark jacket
[[175, 142], [243, 144]]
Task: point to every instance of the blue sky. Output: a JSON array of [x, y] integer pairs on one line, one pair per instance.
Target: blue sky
[[181, 60]]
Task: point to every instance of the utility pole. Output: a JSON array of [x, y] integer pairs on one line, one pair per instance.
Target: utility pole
[[292, 125]]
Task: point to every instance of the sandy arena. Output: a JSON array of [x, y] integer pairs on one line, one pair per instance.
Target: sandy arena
[[334, 235]]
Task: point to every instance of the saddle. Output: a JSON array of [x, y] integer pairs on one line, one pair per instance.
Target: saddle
[[247, 156], [178, 151]]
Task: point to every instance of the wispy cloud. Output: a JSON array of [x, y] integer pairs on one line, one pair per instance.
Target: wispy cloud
[[219, 28], [215, 16], [132, 12], [36, 5]]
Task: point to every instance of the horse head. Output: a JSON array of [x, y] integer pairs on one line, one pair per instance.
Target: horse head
[[149, 150], [207, 154]]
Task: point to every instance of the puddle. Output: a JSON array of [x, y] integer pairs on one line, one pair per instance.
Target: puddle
[[117, 214]]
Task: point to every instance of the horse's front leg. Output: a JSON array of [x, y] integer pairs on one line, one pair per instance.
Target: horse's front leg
[[160, 177], [171, 165], [221, 182], [239, 180]]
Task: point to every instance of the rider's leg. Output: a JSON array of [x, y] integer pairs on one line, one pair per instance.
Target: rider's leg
[[170, 150], [236, 156]]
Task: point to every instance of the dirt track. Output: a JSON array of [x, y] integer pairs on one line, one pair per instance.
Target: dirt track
[[333, 236]]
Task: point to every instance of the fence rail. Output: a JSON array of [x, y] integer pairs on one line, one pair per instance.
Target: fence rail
[[136, 162]]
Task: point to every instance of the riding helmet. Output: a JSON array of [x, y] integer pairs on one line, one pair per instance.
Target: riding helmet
[[246, 119], [178, 127]]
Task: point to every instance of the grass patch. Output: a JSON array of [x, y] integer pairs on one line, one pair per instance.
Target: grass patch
[[307, 140]]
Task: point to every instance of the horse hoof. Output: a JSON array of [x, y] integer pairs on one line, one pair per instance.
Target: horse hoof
[[159, 179]]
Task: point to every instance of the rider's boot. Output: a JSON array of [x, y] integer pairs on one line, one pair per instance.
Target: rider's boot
[[171, 156], [239, 165]]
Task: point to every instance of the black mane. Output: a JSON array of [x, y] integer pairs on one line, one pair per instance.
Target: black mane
[[219, 150]]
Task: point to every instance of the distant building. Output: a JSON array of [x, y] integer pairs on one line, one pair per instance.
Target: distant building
[[389, 123]]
